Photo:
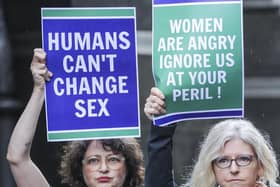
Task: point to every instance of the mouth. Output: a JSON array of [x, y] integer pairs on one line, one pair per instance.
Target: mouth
[[235, 180], [103, 179]]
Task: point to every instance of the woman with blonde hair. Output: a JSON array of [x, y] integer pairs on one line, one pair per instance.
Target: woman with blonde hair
[[233, 154]]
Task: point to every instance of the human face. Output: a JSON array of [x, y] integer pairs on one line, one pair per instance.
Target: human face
[[234, 175], [112, 169]]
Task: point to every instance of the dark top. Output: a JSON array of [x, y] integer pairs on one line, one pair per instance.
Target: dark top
[[159, 172]]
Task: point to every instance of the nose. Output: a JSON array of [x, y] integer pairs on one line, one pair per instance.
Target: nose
[[234, 168], [103, 166]]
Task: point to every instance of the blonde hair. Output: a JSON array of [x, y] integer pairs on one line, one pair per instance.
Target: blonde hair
[[203, 175]]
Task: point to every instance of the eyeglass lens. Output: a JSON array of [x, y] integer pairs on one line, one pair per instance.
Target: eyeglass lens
[[240, 160], [113, 162]]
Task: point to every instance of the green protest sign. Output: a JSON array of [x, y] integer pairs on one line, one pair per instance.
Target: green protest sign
[[198, 59]]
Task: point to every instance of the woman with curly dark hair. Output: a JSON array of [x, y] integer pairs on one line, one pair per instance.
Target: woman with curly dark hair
[[91, 163], [120, 154]]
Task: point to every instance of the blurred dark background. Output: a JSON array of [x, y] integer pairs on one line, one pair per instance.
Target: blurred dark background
[[20, 32]]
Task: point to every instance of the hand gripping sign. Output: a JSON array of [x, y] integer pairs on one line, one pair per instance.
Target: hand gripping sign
[[94, 91]]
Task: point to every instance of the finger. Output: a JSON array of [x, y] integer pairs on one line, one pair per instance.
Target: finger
[[38, 66], [158, 100], [45, 73], [48, 76], [155, 99], [158, 108], [153, 109], [157, 92], [39, 55], [38, 69], [41, 72]]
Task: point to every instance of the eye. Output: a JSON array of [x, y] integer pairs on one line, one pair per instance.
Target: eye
[[114, 159], [244, 159], [93, 160], [222, 160]]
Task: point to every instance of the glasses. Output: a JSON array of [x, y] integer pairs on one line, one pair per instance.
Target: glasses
[[226, 161], [113, 162]]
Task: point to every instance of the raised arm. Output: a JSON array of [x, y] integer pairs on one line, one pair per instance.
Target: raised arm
[[159, 172], [25, 172]]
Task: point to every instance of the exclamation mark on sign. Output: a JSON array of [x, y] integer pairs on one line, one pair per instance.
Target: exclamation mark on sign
[[219, 92]]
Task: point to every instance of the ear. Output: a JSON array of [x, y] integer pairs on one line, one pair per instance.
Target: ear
[[260, 169]]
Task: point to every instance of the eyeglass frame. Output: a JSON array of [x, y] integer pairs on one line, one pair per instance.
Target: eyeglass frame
[[86, 160], [251, 158]]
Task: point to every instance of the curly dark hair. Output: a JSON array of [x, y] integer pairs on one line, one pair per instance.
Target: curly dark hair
[[73, 154]]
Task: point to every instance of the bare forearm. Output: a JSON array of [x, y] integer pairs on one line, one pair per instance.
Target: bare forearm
[[21, 139], [25, 172]]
